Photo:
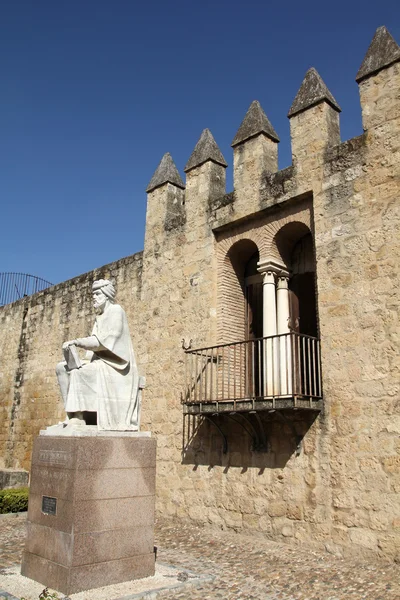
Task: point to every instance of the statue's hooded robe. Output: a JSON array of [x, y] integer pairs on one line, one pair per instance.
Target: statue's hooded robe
[[109, 383]]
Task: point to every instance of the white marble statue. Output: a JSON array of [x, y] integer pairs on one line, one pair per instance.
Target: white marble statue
[[106, 382]]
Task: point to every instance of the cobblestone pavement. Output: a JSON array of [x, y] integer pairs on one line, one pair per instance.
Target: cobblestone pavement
[[245, 567], [12, 538]]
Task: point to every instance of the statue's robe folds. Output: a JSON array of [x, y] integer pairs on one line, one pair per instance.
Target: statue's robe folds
[[108, 383]]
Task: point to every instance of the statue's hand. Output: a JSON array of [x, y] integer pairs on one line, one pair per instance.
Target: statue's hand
[[67, 344]]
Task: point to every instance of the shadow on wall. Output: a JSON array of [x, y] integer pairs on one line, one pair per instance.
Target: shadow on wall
[[258, 440]]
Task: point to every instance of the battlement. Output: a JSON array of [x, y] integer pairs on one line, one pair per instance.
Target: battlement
[[314, 128]]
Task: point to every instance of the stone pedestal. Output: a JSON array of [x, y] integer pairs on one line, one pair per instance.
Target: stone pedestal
[[91, 510]]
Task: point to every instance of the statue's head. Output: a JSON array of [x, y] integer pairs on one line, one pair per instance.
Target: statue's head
[[103, 292]]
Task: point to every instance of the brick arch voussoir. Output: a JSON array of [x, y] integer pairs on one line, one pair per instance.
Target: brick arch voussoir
[[226, 245], [271, 231]]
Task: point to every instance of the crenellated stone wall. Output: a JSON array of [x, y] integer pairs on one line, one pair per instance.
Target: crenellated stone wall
[[342, 490]]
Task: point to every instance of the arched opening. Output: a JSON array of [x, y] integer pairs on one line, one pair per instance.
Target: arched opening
[[238, 303], [268, 355], [254, 298], [303, 302], [294, 248], [254, 322]]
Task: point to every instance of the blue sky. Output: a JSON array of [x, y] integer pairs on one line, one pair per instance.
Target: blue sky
[[94, 92]]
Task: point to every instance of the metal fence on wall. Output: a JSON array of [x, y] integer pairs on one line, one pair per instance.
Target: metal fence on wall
[[14, 286]]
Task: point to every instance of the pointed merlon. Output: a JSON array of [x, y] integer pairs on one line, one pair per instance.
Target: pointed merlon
[[382, 52], [166, 172], [312, 91], [254, 123], [206, 149]]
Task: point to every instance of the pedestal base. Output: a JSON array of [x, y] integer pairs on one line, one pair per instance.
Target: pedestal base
[[91, 511]]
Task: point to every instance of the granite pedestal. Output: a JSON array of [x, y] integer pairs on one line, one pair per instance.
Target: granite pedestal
[[91, 510]]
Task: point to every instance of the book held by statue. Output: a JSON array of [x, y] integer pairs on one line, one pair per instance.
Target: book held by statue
[[72, 358]]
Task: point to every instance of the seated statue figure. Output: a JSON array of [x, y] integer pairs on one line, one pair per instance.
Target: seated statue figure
[[107, 380]]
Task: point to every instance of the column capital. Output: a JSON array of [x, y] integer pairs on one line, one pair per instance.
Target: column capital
[[278, 268], [269, 277], [283, 281]]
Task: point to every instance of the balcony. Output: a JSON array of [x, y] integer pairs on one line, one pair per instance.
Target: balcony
[[266, 374]]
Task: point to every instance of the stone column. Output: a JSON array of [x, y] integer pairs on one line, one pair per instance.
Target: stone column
[[270, 270], [284, 342], [269, 330], [269, 304]]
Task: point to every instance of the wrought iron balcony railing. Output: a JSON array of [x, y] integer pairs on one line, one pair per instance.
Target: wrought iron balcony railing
[[281, 371]]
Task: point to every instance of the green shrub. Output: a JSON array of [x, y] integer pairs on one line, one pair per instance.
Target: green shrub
[[14, 500]]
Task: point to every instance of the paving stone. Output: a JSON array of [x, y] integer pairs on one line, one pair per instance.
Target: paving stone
[[247, 567]]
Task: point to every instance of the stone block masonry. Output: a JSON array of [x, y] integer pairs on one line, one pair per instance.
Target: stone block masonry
[[13, 478], [342, 490]]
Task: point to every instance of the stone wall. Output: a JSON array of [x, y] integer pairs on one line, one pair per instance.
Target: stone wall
[[357, 223], [342, 490]]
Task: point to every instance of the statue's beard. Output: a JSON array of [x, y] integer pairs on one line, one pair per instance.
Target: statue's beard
[[99, 308]]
